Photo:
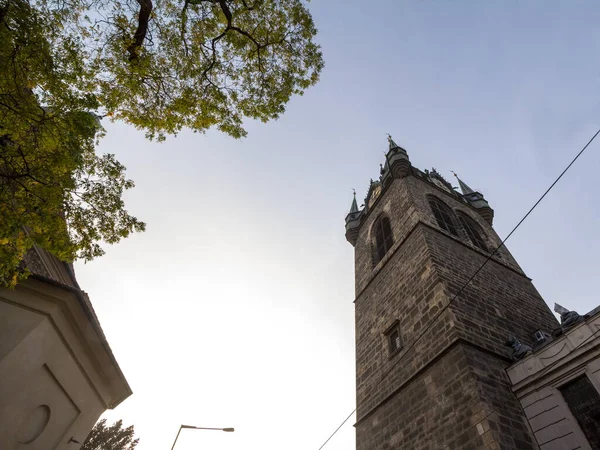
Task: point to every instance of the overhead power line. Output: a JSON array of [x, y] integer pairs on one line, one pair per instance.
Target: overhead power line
[[442, 310], [336, 430]]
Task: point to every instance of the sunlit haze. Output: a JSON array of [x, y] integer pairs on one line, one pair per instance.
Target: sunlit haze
[[235, 307]]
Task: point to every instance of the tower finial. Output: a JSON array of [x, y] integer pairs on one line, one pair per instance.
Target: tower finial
[[391, 142], [476, 199], [466, 190], [354, 206]]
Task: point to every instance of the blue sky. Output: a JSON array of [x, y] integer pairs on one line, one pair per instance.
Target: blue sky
[[235, 307]]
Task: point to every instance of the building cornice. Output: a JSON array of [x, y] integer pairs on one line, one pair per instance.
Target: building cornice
[[86, 306], [568, 353]]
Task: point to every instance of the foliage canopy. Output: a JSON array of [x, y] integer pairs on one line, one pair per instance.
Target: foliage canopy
[[114, 437], [160, 65]]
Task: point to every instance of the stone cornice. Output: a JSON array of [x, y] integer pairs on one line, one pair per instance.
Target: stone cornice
[[43, 295], [574, 349]]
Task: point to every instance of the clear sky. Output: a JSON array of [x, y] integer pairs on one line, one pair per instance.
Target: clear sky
[[235, 308]]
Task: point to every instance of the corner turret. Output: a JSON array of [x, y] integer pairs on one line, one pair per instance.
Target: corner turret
[[477, 201], [353, 222], [396, 160]]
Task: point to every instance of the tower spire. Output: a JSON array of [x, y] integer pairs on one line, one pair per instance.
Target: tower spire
[[353, 221], [466, 190], [476, 200], [393, 145], [396, 160], [354, 206]]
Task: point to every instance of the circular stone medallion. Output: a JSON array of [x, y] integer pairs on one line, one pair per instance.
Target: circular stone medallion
[[34, 425]]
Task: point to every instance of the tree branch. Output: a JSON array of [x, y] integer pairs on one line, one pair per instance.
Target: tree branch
[[225, 8], [183, 24], [248, 8], [4, 11], [229, 16], [142, 29]]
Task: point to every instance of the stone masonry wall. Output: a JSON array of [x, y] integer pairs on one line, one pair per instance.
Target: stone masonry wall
[[397, 204], [407, 290], [496, 303], [405, 203], [461, 358], [412, 288], [442, 409], [508, 421], [420, 190]]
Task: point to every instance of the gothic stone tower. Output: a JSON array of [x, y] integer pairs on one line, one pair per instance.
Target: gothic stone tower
[[430, 372]]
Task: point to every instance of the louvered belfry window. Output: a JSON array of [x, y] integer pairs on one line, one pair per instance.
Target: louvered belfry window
[[443, 215], [393, 338], [395, 343], [383, 237], [473, 231]]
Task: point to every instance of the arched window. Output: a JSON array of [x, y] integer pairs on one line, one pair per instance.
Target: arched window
[[443, 215], [383, 237], [473, 231]]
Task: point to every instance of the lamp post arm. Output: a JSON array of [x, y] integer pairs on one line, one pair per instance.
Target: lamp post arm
[[175, 441], [198, 428]]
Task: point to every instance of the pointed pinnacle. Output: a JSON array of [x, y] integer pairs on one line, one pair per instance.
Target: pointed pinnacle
[[354, 206], [393, 145], [466, 190]]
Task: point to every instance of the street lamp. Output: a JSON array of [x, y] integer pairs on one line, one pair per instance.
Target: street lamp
[[229, 430]]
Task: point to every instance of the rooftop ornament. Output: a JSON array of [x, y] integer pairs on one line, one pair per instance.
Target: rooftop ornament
[[519, 350], [568, 318], [391, 142]]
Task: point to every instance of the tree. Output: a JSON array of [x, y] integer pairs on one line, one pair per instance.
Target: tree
[[114, 437], [158, 65]]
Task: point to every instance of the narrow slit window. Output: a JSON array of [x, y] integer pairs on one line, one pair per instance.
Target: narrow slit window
[[396, 340], [393, 338]]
